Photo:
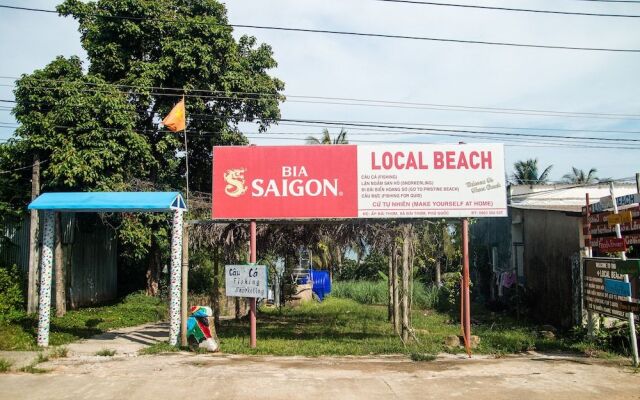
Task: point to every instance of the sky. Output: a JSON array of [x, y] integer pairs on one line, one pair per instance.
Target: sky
[[423, 72]]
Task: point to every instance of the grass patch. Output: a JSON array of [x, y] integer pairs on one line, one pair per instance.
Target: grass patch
[[41, 358], [106, 353], [341, 327], [5, 365], [160, 347], [136, 309], [59, 352], [422, 357]]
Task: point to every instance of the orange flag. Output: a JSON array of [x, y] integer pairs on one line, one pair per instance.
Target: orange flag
[[176, 120]]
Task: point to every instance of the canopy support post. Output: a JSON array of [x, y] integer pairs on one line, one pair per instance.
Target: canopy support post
[[175, 279], [46, 264]]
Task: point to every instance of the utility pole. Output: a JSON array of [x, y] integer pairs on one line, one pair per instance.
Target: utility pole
[[32, 285]]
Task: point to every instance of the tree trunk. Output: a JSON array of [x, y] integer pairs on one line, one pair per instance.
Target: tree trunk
[[215, 295], [390, 285], [153, 270], [61, 303], [438, 273], [406, 232], [396, 293], [32, 285]]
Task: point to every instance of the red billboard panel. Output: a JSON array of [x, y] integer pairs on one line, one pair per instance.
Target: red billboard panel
[[285, 182]]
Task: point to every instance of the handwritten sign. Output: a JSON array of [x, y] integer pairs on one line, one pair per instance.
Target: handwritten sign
[[246, 280], [612, 245]]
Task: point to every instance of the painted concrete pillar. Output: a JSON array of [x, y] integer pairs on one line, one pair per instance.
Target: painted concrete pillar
[[176, 276], [46, 264]]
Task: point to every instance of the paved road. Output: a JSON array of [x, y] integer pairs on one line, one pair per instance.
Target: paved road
[[183, 375]]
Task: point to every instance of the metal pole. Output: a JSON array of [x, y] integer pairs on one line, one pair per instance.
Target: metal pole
[[630, 316], [252, 301], [175, 278], [186, 150], [46, 263], [465, 280], [184, 301], [632, 330]]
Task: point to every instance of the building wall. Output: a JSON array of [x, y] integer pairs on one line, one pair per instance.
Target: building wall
[[90, 257], [551, 238]]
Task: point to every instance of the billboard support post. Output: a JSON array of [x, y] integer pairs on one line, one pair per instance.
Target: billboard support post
[[252, 301], [466, 317]]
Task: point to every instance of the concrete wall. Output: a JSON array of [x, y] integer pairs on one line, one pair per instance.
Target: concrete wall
[[551, 238]]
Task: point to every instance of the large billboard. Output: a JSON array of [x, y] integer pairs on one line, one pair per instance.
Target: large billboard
[[348, 181]]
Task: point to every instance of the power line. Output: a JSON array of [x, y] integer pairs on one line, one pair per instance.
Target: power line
[[452, 130], [313, 97], [351, 33], [344, 101], [398, 129], [473, 6], [522, 142], [21, 168]]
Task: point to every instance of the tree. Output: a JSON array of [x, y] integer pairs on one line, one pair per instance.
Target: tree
[[526, 172], [156, 52], [579, 176], [326, 138], [160, 50], [85, 139]]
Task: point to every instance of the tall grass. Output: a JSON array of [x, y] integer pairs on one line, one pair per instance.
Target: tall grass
[[376, 292]]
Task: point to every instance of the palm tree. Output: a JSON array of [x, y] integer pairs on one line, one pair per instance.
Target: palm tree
[[526, 172], [326, 138], [579, 176]]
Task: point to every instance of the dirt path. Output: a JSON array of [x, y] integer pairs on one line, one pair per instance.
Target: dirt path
[[181, 375]]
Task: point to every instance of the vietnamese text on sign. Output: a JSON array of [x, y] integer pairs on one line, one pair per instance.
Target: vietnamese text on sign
[[246, 280]]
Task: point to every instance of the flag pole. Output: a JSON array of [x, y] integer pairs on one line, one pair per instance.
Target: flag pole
[[186, 150]]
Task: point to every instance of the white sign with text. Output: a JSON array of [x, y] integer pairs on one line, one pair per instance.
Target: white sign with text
[[427, 181], [246, 280]]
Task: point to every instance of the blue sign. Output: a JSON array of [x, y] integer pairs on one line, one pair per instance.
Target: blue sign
[[619, 288]]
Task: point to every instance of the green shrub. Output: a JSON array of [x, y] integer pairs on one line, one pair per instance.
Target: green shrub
[[11, 299], [106, 353], [5, 365], [377, 292], [449, 293]]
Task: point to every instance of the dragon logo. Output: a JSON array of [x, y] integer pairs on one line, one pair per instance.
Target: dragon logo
[[235, 182]]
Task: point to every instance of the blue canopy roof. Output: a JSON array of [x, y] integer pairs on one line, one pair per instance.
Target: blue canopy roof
[[109, 201]]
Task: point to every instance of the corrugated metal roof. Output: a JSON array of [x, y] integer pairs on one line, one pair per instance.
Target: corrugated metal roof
[[549, 207], [109, 201]]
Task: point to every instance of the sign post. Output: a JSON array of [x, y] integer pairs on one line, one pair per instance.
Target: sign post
[[623, 256]]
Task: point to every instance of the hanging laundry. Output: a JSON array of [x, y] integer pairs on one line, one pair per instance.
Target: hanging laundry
[[508, 279]]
